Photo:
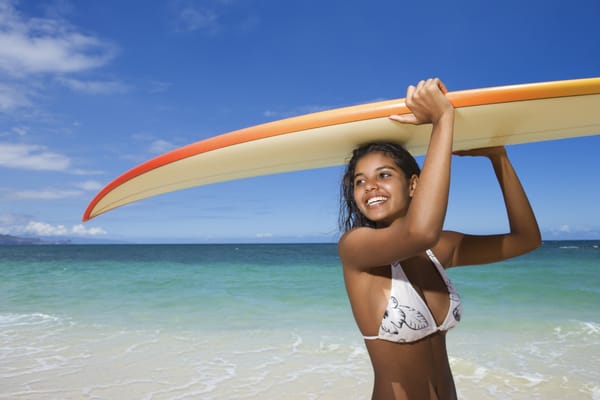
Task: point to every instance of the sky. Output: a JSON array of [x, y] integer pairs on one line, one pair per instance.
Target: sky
[[90, 89]]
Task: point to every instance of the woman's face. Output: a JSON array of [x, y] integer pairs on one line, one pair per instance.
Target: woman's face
[[381, 190]]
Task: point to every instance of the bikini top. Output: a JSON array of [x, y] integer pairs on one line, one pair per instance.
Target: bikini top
[[407, 318]]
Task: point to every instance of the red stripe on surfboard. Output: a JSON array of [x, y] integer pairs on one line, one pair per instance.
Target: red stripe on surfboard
[[464, 98]]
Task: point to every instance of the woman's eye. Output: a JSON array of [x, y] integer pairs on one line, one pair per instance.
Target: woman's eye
[[359, 182]]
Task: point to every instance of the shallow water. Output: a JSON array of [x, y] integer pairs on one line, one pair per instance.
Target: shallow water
[[273, 321]]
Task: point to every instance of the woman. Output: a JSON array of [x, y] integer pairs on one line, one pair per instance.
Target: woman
[[394, 250]]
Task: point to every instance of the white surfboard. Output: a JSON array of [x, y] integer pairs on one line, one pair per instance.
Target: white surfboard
[[484, 117]]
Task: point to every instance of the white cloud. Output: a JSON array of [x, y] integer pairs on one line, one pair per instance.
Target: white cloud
[[37, 158], [85, 172], [207, 16], [43, 45], [94, 87], [32, 48], [31, 157], [567, 231], [20, 130], [44, 229], [264, 235], [564, 229], [12, 97], [161, 146], [158, 87], [8, 219], [309, 109], [191, 17], [80, 230], [53, 194], [89, 185], [47, 194]]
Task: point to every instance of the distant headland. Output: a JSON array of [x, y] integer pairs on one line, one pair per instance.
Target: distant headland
[[17, 240]]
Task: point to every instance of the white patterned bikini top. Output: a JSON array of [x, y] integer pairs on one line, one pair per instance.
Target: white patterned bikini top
[[407, 318]]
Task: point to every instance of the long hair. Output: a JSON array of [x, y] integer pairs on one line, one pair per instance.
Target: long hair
[[350, 216]]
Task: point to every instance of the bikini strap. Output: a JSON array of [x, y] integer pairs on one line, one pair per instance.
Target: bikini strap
[[434, 259]]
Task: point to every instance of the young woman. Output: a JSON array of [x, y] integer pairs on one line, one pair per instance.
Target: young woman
[[394, 251]]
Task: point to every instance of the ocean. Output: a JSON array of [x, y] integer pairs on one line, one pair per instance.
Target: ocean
[[273, 322]]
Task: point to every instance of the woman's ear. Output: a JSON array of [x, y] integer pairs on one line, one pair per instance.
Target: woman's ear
[[412, 185]]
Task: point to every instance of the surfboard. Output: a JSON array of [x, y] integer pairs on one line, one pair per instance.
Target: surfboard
[[484, 117]]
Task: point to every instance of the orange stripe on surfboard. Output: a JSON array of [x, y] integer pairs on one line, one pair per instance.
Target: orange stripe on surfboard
[[464, 98]]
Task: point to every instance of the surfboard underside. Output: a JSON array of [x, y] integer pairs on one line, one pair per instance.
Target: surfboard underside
[[476, 126]]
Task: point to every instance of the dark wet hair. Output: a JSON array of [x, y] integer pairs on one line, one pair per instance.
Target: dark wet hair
[[350, 217]]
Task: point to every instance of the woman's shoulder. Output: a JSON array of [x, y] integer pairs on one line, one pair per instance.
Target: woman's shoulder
[[350, 237], [348, 242]]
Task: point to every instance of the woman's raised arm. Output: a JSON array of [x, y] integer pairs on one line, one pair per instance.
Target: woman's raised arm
[[524, 234]]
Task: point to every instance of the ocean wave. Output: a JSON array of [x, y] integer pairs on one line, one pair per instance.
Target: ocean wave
[[296, 345], [14, 320], [500, 380], [260, 350], [544, 363], [578, 329], [595, 390]]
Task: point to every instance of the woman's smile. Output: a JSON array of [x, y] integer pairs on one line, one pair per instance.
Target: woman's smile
[[376, 201]]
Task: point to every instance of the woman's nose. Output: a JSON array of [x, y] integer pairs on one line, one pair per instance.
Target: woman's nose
[[371, 185]]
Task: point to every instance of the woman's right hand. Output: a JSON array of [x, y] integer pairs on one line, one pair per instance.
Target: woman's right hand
[[427, 102], [482, 152]]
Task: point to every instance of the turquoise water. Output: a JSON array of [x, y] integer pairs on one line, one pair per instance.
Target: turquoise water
[[176, 287], [273, 321]]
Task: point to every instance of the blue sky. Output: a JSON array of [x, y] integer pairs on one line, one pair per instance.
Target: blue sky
[[91, 89]]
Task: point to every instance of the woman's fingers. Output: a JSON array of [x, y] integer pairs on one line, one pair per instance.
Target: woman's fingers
[[405, 118], [481, 152], [410, 91], [426, 101], [442, 86]]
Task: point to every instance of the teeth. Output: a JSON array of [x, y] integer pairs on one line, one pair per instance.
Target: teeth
[[376, 200]]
